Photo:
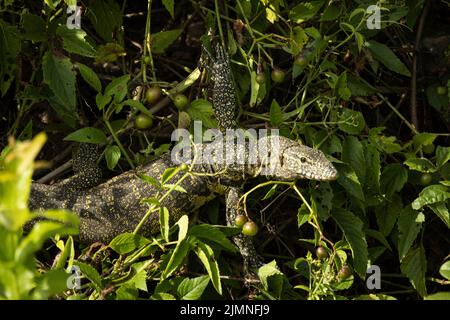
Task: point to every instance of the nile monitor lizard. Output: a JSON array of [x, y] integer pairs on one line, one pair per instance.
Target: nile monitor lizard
[[115, 206]]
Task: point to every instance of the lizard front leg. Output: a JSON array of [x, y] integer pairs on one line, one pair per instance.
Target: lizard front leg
[[252, 260]]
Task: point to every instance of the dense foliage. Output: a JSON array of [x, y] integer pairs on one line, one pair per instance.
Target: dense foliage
[[375, 100]]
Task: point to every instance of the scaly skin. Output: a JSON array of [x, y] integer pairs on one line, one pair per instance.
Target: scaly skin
[[115, 207]]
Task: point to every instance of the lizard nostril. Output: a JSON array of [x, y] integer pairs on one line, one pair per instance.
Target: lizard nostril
[[302, 159]]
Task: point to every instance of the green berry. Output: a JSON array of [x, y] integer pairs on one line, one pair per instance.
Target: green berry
[[425, 179], [240, 220], [153, 94], [143, 121], [250, 228], [180, 101], [184, 167], [441, 90], [345, 272], [184, 120], [321, 253], [428, 148], [147, 60], [278, 75], [301, 61]]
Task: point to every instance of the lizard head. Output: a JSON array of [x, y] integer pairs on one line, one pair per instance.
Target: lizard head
[[297, 161]]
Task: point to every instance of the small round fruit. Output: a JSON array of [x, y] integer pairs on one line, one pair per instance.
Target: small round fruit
[[278, 75], [240, 220], [260, 78], [153, 94], [250, 228], [425, 179], [147, 60], [441, 90], [321, 253], [345, 272], [180, 101], [301, 61], [428, 148], [184, 120], [143, 121], [184, 167]]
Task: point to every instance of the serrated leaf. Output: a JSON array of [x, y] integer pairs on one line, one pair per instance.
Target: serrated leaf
[[51, 283], [118, 88], [109, 52], [373, 167], [423, 138], [206, 256], [127, 242], [34, 27], [90, 273], [106, 17], [203, 111], [353, 154], [192, 289], [60, 77], [352, 227], [87, 135], [349, 180], [351, 121], [162, 40], [414, 266], [74, 42], [386, 56], [305, 11], [90, 77], [431, 194], [420, 164], [408, 229], [393, 178], [388, 213], [302, 215], [272, 278]]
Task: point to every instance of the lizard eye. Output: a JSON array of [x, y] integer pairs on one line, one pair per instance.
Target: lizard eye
[[302, 159]]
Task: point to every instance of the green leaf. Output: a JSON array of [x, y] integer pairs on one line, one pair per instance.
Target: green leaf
[[183, 225], [353, 154], [176, 258], [423, 138], [192, 289], [127, 292], [202, 110], [34, 27], [276, 115], [109, 52], [164, 222], [206, 256], [393, 178], [118, 88], [168, 174], [169, 5], [373, 167], [90, 273], [87, 135], [388, 213], [420, 164], [74, 42], [352, 227], [386, 56], [138, 106], [303, 215], [414, 266], [408, 228], [445, 295], [106, 17], [332, 12], [305, 11], [254, 89], [60, 77], [272, 278], [441, 210], [127, 242], [40, 232], [442, 155], [51, 283], [444, 270], [102, 100], [351, 122], [112, 156], [162, 40], [214, 235], [90, 77], [431, 194], [349, 180]]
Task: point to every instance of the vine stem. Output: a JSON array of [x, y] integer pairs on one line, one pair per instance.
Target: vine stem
[[108, 125], [147, 48]]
